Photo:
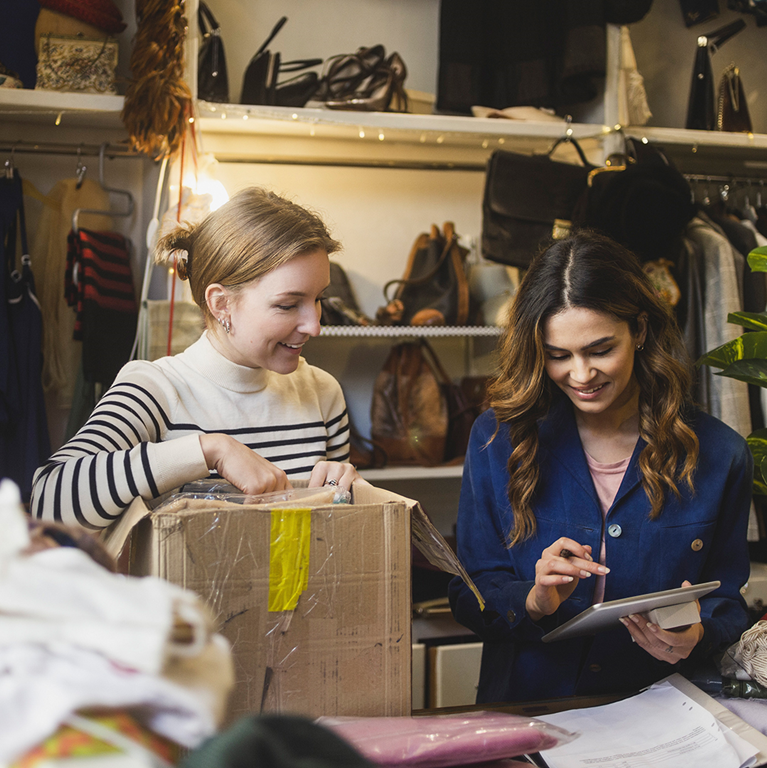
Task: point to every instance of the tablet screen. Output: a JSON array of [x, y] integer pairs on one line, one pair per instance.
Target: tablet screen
[[602, 616]]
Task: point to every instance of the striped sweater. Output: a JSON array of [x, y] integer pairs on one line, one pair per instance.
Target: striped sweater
[[142, 439]]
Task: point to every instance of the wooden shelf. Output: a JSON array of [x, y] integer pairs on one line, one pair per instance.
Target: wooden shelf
[[61, 108]]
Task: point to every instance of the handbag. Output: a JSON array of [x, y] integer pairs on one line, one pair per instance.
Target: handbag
[[528, 201], [434, 289], [212, 78], [732, 109], [700, 107], [260, 82], [339, 306], [76, 64], [408, 412]]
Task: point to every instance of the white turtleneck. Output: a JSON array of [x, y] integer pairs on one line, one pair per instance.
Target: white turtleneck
[[142, 439]]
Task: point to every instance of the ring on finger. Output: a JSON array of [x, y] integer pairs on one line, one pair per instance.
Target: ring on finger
[[332, 482]]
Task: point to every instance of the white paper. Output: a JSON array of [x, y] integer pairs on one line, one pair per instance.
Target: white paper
[[659, 727]]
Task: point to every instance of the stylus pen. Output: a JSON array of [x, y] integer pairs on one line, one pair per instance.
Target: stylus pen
[[536, 759]]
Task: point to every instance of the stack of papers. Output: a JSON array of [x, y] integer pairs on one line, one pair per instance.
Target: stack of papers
[[673, 723]]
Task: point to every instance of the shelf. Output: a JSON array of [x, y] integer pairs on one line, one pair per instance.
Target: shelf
[[246, 133], [712, 152], [412, 473], [61, 108], [424, 331]]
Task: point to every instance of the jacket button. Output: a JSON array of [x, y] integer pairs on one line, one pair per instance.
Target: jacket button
[[511, 617], [615, 530], [697, 545], [595, 668]]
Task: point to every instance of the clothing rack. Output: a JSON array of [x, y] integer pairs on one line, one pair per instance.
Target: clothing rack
[[51, 148], [741, 180]]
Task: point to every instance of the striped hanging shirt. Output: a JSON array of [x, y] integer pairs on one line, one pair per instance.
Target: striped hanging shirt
[[142, 439]]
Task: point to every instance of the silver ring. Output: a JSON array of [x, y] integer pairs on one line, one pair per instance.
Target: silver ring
[[670, 649], [332, 482]]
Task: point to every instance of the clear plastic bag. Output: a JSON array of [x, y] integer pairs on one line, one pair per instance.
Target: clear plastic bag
[[446, 740]]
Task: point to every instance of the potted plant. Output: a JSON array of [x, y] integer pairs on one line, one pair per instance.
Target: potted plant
[[745, 359]]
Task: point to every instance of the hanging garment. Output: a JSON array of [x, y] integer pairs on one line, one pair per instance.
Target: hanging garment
[[24, 440], [61, 353], [99, 284]]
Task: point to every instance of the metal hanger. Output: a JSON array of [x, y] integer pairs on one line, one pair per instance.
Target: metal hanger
[[81, 169], [124, 192], [10, 168]]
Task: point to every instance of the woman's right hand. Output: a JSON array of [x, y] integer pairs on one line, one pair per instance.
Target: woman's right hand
[[556, 576], [242, 466]]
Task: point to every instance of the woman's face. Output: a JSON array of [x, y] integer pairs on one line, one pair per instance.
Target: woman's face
[[273, 317], [590, 357]]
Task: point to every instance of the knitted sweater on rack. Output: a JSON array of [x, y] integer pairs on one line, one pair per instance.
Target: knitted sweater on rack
[[142, 439]]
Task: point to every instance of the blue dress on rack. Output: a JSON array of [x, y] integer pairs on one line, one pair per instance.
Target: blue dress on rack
[[24, 439]]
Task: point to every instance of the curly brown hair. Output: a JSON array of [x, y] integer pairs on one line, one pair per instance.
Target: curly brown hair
[[592, 271]]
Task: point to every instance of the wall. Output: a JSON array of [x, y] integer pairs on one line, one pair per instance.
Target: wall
[[665, 51]]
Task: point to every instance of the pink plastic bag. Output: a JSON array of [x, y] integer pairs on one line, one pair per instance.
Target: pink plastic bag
[[446, 740]]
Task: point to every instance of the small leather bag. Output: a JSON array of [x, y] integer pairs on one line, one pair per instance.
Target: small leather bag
[[732, 109], [212, 78], [408, 413], [434, 289], [700, 107], [528, 201], [260, 83]]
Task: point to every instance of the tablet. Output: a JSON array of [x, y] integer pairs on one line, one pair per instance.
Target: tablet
[[602, 616]]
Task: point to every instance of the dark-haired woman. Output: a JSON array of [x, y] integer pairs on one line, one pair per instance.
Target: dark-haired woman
[[241, 403], [593, 478]]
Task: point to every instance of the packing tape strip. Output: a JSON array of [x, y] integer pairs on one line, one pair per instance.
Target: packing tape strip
[[288, 557]]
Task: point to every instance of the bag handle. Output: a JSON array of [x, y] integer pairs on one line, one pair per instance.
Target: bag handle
[[576, 145], [204, 14], [277, 27], [719, 37]]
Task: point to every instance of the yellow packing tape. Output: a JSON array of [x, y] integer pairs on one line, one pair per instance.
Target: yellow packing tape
[[288, 557]]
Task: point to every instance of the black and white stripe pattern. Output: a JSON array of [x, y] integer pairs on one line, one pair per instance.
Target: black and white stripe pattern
[[142, 437]]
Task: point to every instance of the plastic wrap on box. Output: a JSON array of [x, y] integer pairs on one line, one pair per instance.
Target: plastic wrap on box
[[314, 596]]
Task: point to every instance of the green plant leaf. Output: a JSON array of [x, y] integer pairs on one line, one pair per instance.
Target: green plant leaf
[[757, 442], [751, 371], [745, 347], [757, 259], [755, 321]]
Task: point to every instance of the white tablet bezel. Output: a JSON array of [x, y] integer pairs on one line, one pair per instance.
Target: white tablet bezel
[[601, 616]]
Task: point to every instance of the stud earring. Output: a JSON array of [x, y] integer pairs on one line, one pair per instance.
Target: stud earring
[[639, 347], [227, 326]]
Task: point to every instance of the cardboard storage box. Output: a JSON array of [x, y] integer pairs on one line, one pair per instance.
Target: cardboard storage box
[[315, 602]]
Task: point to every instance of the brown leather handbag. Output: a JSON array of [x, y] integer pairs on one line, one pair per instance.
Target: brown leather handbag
[[418, 415], [434, 289], [408, 413]]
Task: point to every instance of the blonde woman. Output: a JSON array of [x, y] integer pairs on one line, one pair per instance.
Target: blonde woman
[[594, 478], [241, 403]]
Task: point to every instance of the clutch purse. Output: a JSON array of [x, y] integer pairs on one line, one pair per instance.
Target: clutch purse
[[732, 109], [76, 64]]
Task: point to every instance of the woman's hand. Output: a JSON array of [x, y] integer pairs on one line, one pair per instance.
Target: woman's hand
[[335, 472], [242, 466], [664, 644], [557, 573]]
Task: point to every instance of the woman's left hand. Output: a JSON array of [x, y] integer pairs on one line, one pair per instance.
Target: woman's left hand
[[664, 644], [327, 471]]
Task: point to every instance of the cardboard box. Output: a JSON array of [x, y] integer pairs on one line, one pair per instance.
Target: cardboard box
[[315, 602]]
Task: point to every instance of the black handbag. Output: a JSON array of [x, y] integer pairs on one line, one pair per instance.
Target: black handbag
[[260, 84], [212, 78], [528, 202], [732, 108], [701, 111]]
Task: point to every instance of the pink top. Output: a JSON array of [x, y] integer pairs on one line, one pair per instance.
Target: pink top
[[607, 479]]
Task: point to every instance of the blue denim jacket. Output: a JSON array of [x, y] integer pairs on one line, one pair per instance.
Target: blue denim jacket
[[644, 556]]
